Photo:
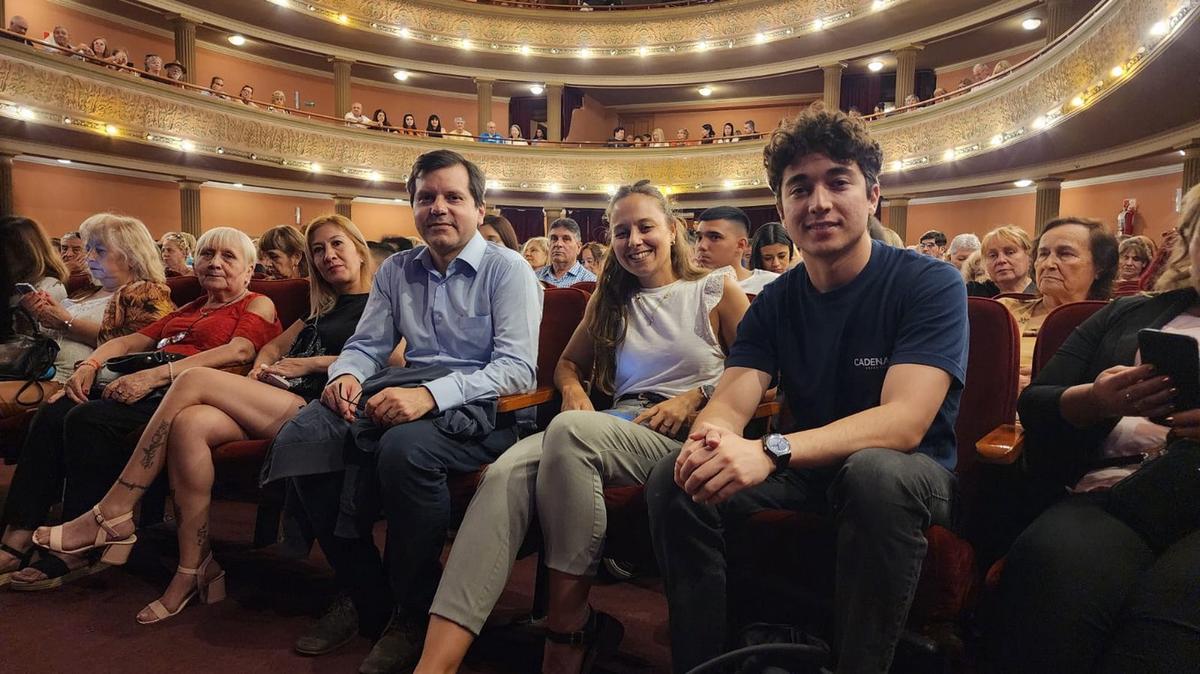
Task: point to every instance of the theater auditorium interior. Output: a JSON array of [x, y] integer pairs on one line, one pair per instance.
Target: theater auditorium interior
[[600, 336]]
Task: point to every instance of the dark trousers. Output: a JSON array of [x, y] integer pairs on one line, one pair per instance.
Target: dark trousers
[[881, 501], [413, 463], [1083, 592], [87, 444], [355, 561]]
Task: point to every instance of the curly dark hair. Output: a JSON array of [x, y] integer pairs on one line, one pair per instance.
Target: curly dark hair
[[835, 134]]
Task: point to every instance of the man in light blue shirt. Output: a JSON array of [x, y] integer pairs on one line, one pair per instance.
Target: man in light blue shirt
[[490, 136], [564, 269], [466, 306]]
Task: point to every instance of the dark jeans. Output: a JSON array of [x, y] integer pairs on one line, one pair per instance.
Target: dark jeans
[[1083, 592], [89, 444], [414, 460], [355, 561], [882, 501]]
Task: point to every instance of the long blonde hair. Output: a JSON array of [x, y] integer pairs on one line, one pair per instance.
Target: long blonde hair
[[1178, 271], [322, 296], [616, 286], [127, 236]]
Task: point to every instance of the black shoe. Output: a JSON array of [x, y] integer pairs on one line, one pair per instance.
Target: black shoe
[[398, 648], [600, 637], [336, 627]]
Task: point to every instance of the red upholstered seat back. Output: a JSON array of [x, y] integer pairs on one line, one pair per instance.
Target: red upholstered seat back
[[586, 286], [184, 289], [562, 312], [1058, 326], [289, 295], [1016, 296]]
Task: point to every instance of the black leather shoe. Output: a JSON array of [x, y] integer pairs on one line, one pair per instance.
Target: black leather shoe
[[398, 649], [600, 637], [336, 627]]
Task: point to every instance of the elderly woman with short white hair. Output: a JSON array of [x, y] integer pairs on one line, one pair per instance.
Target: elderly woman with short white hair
[[961, 248], [82, 436]]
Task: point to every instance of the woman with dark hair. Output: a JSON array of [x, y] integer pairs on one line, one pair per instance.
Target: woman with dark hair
[[206, 408], [433, 127], [1076, 260], [409, 126], [497, 229], [728, 134], [380, 118], [771, 249], [539, 135], [654, 335], [1105, 580], [592, 257], [282, 251], [707, 134]]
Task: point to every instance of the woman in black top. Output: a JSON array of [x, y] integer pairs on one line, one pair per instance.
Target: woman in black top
[[433, 128], [1106, 579], [206, 408]]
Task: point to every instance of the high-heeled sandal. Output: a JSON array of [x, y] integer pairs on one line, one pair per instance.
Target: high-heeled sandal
[[600, 636], [22, 562], [209, 591], [116, 550]]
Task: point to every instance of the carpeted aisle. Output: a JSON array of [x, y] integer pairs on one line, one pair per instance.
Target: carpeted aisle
[[88, 626]]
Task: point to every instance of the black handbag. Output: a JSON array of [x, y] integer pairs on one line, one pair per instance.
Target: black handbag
[[307, 345], [118, 366], [1161, 500], [28, 358]]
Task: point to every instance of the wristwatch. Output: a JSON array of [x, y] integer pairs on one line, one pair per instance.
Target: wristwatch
[[706, 393], [778, 449]]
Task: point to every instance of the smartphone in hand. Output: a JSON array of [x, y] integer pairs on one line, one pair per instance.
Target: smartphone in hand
[[24, 288], [1176, 356], [275, 380]]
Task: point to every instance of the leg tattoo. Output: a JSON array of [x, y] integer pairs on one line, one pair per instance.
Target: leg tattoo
[[157, 442], [202, 535], [131, 486]]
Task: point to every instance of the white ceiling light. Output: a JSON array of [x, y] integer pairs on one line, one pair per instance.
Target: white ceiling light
[[878, 5], [897, 165], [465, 44], [64, 161], [375, 176], [760, 37], [702, 45], [585, 53], [1040, 123], [525, 49], [705, 90], [1031, 24], [1159, 29], [875, 66], [281, 3], [949, 155], [553, 188], [401, 75], [536, 89], [237, 40], [1024, 182], [727, 184], [643, 50], [404, 33], [25, 113], [187, 146], [238, 185], [314, 167], [818, 24]]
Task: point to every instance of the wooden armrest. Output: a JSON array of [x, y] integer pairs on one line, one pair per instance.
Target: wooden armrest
[[765, 410], [241, 369], [520, 401], [1003, 445]]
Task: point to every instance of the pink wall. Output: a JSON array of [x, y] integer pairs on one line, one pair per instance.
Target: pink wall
[[61, 198], [593, 121], [949, 79], [43, 16], [379, 220], [1155, 195]]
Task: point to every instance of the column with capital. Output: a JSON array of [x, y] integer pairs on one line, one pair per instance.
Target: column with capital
[[1191, 165], [554, 94], [897, 212], [906, 72], [6, 184], [342, 205], [1057, 21], [341, 86], [483, 93], [185, 46], [553, 214], [832, 93], [189, 206], [1046, 202]]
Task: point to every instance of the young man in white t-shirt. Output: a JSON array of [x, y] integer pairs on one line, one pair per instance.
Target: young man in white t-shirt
[[724, 242]]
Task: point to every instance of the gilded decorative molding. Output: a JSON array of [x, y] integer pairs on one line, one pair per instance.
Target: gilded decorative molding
[[49, 90]]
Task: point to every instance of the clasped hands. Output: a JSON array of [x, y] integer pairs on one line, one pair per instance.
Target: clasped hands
[[390, 407], [716, 463]]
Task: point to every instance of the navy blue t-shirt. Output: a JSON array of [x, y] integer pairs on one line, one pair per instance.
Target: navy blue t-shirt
[[832, 350]]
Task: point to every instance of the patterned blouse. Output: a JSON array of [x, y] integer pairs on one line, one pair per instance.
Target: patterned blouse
[[134, 306]]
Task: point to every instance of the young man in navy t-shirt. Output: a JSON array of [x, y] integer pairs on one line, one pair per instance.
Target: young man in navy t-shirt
[[870, 346]]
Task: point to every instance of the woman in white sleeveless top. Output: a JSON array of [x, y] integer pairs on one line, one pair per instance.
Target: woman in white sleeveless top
[[657, 329]]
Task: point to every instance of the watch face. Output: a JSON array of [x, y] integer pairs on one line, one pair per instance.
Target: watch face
[[777, 445]]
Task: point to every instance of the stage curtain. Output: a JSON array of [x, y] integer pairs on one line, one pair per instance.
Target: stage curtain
[[528, 222]]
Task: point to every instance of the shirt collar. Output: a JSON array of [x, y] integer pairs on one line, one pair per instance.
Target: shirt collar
[[471, 254], [575, 270]]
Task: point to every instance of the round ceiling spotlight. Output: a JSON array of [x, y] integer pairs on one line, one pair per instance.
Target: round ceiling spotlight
[[875, 66], [1031, 24], [536, 89], [237, 40], [705, 90], [401, 75], [1024, 182]]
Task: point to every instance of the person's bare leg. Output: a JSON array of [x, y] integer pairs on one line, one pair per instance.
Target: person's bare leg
[[196, 431], [446, 645], [567, 612], [260, 407]]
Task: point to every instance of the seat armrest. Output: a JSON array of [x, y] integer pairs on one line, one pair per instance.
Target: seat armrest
[[241, 369], [520, 401], [766, 409], [1003, 445]]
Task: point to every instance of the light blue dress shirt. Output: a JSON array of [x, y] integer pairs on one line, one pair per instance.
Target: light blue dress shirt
[[481, 320], [490, 138], [574, 275]]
